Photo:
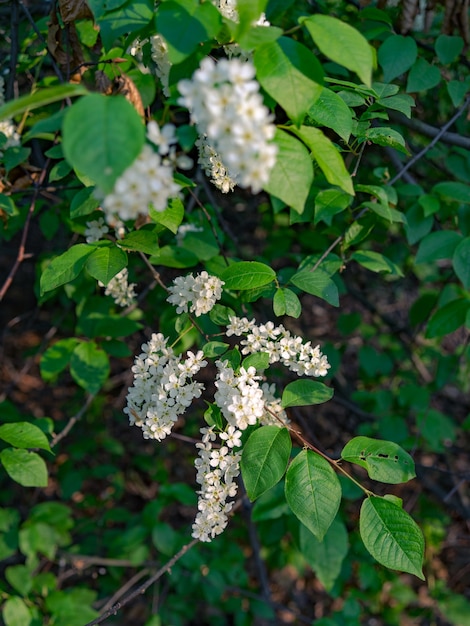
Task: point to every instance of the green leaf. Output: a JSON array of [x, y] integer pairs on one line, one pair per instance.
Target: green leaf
[[25, 468], [422, 76], [461, 262], [102, 136], [384, 460], [342, 43], [385, 211], [438, 245], [56, 358], [105, 262], [247, 275], [89, 366], [286, 302], [391, 536], [185, 25], [7, 205], [304, 392], [171, 217], [83, 203], [459, 192], [291, 74], [331, 111], [258, 360], [20, 578], [457, 91], [327, 156], [215, 348], [221, 315], [257, 36], [448, 48], [174, 256], [325, 557], [65, 267], [40, 98], [384, 136], [24, 435], [396, 55], [128, 18], [317, 283], [313, 492], [264, 459], [14, 156], [448, 318], [143, 240], [292, 175], [402, 103], [376, 262], [16, 613], [249, 12]]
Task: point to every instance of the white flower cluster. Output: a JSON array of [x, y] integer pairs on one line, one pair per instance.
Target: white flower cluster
[[95, 229], [148, 181], [7, 127], [120, 290], [224, 102], [243, 401], [196, 294], [281, 345], [212, 165], [163, 387], [160, 57], [217, 469], [185, 229]]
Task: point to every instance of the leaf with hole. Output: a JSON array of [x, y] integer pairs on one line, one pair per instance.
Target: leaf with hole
[[385, 461]]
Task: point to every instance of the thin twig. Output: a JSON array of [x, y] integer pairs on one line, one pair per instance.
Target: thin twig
[[72, 421], [125, 588]]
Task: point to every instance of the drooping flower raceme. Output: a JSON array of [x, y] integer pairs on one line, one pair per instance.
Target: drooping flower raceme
[[195, 294], [224, 102], [162, 61], [301, 358], [163, 387], [120, 290], [213, 167], [147, 182]]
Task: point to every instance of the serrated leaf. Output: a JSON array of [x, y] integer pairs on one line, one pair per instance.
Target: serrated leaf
[[385, 136], [325, 557], [396, 55], [292, 175], [65, 267], [331, 111], [304, 392], [291, 74], [264, 459], [327, 156], [26, 468], [102, 136], [286, 302], [105, 262], [448, 318], [385, 461], [461, 262], [313, 492], [391, 536], [247, 275], [89, 366], [143, 240], [343, 44], [329, 203], [317, 283], [40, 98], [376, 262], [24, 435]]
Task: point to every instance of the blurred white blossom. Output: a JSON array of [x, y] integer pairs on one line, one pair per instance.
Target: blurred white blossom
[[120, 290]]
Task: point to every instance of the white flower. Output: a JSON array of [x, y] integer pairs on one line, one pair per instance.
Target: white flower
[[163, 138], [95, 230], [120, 290], [162, 62], [195, 294]]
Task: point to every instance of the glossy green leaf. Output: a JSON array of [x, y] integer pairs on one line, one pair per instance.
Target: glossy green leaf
[[327, 156], [15, 612], [65, 267], [292, 175], [258, 360], [391, 536], [376, 262], [331, 111], [26, 468], [102, 136], [105, 262], [83, 203], [448, 318], [215, 348], [143, 240], [257, 36], [384, 460], [171, 217], [291, 74], [317, 283], [422, 76], [304, 392], [313, 492], [247, 275], [89, 366], [56, 358], [440, 244], [342, 43], [329, 203], [325, 557], [264, 459], [286, 302], [41, 98], [461, 261], [396, 55], [130, 17], [24, 435], [384, 136]]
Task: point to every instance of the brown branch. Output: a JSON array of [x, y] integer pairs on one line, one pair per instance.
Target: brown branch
[[72, 421], [453, 139]]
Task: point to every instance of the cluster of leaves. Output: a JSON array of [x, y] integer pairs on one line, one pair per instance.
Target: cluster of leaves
[[336, 220]]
